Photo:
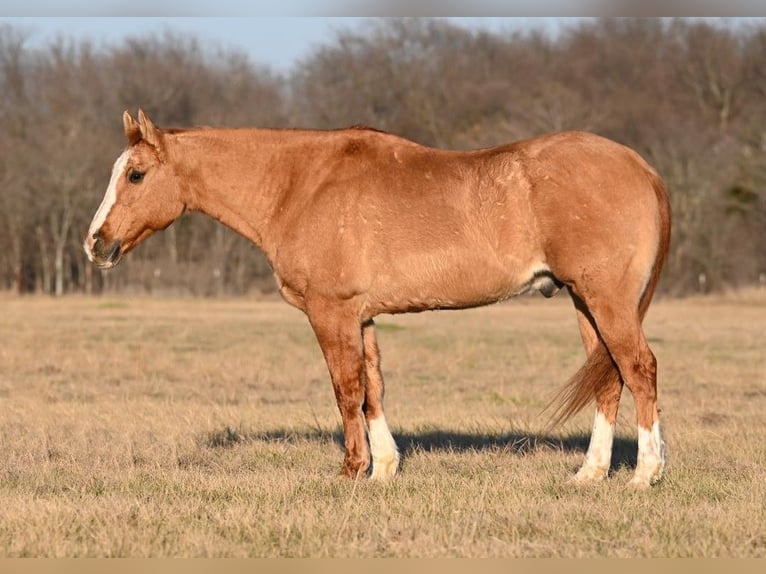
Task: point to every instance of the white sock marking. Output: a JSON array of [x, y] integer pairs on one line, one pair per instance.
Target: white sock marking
[[599, 455], [651, 456], [385, 454]]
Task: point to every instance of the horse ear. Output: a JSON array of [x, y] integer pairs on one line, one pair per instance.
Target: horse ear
[[132, 130], [150, 133]]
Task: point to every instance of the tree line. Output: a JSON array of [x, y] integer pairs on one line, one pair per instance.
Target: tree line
[[689, 96]]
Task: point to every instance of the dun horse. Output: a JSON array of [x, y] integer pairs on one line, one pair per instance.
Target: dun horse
[[357, 222]]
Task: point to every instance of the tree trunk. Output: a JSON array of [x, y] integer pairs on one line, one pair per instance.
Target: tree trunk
[[171, 240], [58, 267], [60, 232], [18, 265], [88, 278], [45, 263]]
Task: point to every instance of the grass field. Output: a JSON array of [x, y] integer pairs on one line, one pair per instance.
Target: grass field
[[140, 427]]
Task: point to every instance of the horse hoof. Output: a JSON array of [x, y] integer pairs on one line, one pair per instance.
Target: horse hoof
[[638, 483], [588, 475], [384, 469], [643, 481]]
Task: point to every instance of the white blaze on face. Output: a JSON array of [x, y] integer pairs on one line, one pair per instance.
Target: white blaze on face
[[106, 205]]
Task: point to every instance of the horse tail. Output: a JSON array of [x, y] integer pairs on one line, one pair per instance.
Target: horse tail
[[600, 370], [663, 205]]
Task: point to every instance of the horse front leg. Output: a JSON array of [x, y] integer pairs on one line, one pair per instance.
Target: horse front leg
[[385, 454], [339, 332]]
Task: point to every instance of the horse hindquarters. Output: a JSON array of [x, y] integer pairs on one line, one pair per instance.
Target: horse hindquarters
[[609, 234]]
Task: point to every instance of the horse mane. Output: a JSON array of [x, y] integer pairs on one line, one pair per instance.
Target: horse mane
[[365, 128], [172, 131]]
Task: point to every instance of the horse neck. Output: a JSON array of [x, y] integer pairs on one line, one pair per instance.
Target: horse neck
[[237, 177]]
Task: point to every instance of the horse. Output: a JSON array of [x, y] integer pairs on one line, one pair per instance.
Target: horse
[[357, 222]]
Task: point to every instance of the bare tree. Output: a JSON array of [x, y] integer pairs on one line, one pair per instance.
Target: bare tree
[[690, 96]]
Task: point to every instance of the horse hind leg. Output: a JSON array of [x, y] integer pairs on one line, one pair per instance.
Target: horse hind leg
[[598, 458], [385, 454], [621, 331]]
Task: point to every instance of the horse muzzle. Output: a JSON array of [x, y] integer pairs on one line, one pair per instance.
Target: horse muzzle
[[105, 254]]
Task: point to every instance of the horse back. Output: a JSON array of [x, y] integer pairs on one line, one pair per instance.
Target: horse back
[[405, 227]]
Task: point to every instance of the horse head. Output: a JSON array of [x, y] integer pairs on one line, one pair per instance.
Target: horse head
[[142, 196]]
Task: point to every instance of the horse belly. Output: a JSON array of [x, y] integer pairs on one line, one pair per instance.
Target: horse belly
[[444, 281]]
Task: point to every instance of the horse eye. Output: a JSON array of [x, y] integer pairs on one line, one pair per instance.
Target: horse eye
[[135, 176]]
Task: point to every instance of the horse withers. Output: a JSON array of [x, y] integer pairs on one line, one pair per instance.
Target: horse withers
[[357, 222]]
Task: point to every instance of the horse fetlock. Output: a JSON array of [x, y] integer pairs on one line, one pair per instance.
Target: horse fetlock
[[649, 471], [354, 468]]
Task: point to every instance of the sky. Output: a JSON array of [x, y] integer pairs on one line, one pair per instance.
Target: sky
[[275, 41], [278, 42]]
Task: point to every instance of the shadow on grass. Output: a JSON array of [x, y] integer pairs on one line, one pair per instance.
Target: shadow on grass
[[623, 453]]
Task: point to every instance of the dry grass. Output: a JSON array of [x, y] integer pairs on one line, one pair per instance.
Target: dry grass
[[137, 427]]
